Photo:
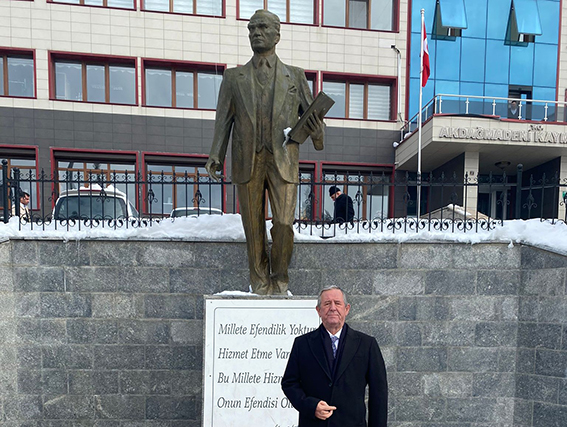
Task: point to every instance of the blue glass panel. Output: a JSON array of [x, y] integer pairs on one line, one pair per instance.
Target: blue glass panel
[[498, 13], [450, 104], [476, 14], [545, 69], [429, 13], [538, 108], [476, 89], [549, 13], [527, 16], [414, 96], [428, 91], [500, 91], [497, 62], [476, 105], [522, 64], [472, 60], [447, 87], [501, 106], [453, 13], [447, 63]]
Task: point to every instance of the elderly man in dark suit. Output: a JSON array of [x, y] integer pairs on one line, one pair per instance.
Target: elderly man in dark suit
[[328, 371], [256, 103]]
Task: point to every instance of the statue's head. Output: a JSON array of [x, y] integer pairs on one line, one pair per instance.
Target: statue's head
[[264, 31]]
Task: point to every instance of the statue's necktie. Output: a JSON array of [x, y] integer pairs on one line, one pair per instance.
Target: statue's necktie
[[334, 341], [263, 72]]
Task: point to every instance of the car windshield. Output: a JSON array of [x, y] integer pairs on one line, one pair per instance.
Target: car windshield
[[179, 212], [74, 207]]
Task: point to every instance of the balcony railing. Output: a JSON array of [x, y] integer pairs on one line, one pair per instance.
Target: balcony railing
[[525, 109]]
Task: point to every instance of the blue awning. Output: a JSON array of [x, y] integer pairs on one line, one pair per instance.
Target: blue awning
[[526, 14], [453, 14]]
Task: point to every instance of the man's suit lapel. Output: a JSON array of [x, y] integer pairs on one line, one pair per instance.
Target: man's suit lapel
[[352, 342], [245, 83], [316, 345], [283, 82]]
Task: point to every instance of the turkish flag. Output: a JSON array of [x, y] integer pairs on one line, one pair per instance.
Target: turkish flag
[[424, 56]]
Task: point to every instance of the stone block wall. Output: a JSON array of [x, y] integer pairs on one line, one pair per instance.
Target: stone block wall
[[110, 333]]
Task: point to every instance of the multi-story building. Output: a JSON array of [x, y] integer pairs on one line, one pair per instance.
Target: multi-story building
[[490, 102], [127, 86]]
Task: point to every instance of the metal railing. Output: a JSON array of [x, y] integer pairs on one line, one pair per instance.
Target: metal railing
[[527, 109], [382, 202]]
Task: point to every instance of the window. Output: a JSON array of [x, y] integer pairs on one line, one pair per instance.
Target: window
[[192, 7], [311, 77], [524, 23], [450, 18], [365, 14], [364, 100], [17, 74], [23, 159], [75, 169], [181, 86], [95, 80], [179, 182], [293, 11], [119, 4], [368, 189]]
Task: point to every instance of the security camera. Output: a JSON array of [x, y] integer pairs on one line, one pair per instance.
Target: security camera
[[395, 144]]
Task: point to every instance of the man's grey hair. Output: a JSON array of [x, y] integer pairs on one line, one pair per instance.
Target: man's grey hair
[[328, 288], [274, 19]]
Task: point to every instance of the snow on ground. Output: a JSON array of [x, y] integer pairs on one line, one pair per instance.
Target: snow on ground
[[229, 228]]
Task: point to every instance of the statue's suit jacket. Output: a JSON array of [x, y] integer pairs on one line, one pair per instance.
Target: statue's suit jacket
[[236, 112], [309, 379]]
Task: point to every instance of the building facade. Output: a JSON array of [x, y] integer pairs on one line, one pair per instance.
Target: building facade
[[132, 87], [96, 86], [494, 99]]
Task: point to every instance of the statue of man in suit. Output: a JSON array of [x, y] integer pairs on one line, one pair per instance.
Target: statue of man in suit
[[256, 103]]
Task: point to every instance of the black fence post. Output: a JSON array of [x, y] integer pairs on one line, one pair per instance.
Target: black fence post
[[5, 191], [519, 192], [17, 191]]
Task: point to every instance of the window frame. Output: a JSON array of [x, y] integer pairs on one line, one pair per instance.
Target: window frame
[[84, 60], [366, 80], [5, 53], [82, 3], [441, 32], [513, 35], [395, 18], [316, 9], [172, 12], [193, 67]]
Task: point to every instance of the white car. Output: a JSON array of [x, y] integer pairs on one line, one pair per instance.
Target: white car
[[94, 202]]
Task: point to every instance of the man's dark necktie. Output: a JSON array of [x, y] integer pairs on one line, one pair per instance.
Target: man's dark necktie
[[334, 341]]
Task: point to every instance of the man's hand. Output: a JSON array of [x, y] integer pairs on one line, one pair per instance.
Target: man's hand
[[315, 126], [214, 168], [324, 411]]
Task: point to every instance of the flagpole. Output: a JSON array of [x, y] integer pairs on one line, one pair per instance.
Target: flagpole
[[419, 118]]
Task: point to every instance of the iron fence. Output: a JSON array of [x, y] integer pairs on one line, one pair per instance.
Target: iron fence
[[382, 202]]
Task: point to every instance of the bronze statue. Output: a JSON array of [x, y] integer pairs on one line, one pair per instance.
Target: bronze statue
[[257, 102]]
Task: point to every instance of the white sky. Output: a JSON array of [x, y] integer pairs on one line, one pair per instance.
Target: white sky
[[229, 228]]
